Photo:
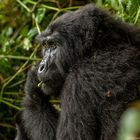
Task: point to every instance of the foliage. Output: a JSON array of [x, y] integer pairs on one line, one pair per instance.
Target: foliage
[[127, 10], [130, 125], [20, 22]]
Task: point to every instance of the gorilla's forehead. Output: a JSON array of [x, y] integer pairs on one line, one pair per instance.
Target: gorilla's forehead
[[73, 22], [64, 20]]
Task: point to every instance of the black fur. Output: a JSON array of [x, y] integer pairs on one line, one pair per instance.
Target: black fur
[[93, 65]]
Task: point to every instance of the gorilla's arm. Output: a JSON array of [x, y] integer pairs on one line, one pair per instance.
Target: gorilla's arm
[[21, 133], [77, 119], [39, 117]]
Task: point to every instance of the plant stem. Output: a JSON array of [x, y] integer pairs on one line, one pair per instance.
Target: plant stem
[[19, 57]]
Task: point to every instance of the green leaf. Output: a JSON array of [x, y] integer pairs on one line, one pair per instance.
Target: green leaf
[[7, 31], [130, 124], [32, 33], [40, 14], [24, 31]]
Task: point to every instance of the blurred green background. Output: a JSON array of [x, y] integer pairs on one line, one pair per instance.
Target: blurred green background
[[20, 22]]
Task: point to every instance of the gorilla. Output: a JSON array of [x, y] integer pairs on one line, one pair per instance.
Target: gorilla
[[91, 63]]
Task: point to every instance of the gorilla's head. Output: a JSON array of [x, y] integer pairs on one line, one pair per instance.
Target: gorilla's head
[[65, 41]]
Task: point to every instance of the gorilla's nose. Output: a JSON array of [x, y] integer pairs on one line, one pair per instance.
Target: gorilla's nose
[[42, 67]]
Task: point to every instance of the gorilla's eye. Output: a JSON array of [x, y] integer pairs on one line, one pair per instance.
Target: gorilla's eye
[[50, 42], [47, 44]]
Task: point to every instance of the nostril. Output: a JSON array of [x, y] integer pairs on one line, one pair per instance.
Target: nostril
[[41, 68]]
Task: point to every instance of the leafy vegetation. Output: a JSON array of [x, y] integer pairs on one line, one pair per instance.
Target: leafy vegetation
[[20, 22]]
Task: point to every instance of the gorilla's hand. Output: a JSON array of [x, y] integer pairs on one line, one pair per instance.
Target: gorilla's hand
[[36, 105], [34, 87], [33, 91], [32, 82]]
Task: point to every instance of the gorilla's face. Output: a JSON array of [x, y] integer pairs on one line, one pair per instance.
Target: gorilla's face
[[64, 42], [52, 68]]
